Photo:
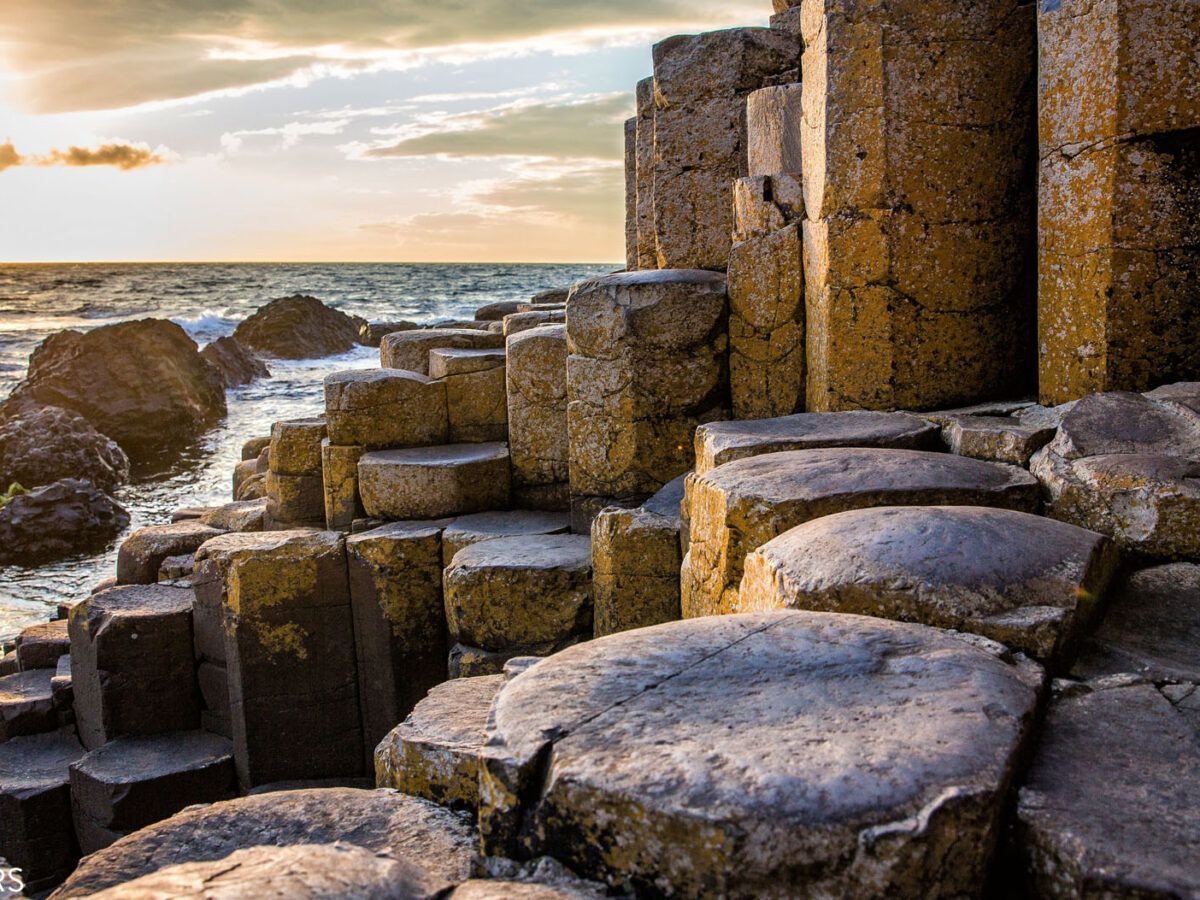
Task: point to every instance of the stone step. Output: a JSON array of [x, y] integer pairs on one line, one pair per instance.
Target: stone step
[[736, 508], [385, 408], [799, 735], [434, 753], [27, 704], [410, 349], [380, 821], [247, 515], [1111, 804], [40, 646], [476, 397], [434, 482], [537, 416], [511, 594], [485, 526], [36, 833], [1028, 582], [142, 553], [720, 442], [1006, 439], [132, 669], [296, 446], [130, 783]]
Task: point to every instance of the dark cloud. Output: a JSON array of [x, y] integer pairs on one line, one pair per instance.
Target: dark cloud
[[580, 129], [80, 54], [119, 154], [9, 156]]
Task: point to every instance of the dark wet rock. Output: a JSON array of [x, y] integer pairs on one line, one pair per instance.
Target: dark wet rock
[[380, 821], [40, 646], [298, 327], [59, 520], [27, 704], [42, 444], [143, 383], [236, 364]]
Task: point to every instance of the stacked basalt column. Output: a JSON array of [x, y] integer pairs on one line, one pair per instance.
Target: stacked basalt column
[[1119, 190], [295, 491], [918, 152]]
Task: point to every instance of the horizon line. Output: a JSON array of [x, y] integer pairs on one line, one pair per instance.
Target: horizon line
[[300, 262]]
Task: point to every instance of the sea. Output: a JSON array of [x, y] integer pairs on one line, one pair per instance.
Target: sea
[[208, 301]]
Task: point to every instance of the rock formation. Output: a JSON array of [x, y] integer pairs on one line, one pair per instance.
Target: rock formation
[[298, 327]]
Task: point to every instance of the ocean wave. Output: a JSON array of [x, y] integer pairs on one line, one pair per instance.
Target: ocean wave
[[209, 324]]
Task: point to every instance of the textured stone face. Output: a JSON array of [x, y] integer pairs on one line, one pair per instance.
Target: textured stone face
[[765, 204], [434, 752], [410, 349], [699, 146], [144, 551], [1110, 806], [486, 526], [383, 408], [637, 555], [720, 442], [647, 365], [917, 147], [647, 252], [434, 482], [339, 474], [537, 415], [741, 505], [1030, 583], [399, 622], [295, 499], [296, 446], [773, 117], [1004, 439], [476, 397], [757, 741], [517, 593], [1119, 186]]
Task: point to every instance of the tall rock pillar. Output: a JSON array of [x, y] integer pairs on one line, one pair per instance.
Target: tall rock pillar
[[917, 151]]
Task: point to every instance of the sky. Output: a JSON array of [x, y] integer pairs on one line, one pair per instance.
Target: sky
[[319, 130]]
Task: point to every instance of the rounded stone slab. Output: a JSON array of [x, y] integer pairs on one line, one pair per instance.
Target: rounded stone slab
[[313, 872], [435, 482], [741, 505], [379, 821], [27, 704], [485, 526], [721, 442], [1148, 504], [1025, 581], [434, 752], [379, 408], [1111, 805], [776, 755], [519, 592], [1120, 422]]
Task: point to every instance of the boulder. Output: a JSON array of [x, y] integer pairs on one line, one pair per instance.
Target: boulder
[[536, 373], [879, 753], [62, 519], [434, 753], [1121, 422], [495, 312], [36, 834], [133, 782], [384, 408], [1151, 628], [132, 670], [256, 445], [1030, 583], [550, 297], [434, 482], [298, 327], [380, 821], [294, 500], [738, 507], [471, 529], [237, 365], [27, 704], [399, 620], [1111, 805], [513, 593], [409, 350], [143, 384], [720, 442], [143, 552], [42, 444]]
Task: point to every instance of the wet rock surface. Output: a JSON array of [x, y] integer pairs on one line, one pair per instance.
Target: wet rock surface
[[298, 327], [42, 444], [237, 364], [62, 519]]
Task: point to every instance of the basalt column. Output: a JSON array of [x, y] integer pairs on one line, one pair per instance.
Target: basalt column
[[917, 149], [1119, 191]]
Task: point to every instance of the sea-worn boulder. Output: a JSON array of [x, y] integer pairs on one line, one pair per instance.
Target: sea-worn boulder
[[380, 821], [741, 505], [42, 444], [1111, 805], [709, 757], [298, 327], [143, 383], [58, 520], [234, 361], [1030, 583], [434, 753]]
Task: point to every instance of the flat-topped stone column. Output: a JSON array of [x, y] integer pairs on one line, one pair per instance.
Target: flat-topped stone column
[[295, 491], [537, 416], [647, 364], [918, 148], [1119, 192]]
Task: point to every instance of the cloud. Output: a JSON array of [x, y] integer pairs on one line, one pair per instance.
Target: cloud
[[290, 134], [586, 128], [82, 55], [119, 154]]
